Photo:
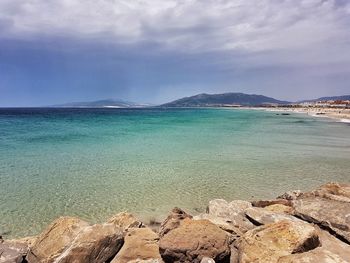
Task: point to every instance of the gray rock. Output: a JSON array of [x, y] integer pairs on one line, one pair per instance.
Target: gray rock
[[233, 211], [10, 254], [334, 215], [263, 216]]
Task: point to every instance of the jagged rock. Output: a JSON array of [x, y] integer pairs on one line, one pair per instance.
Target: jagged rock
[[331, 250], [94, 244], [194, 239], [140, 244], [290, 195], [264, 203], [233, 211], [278, 208], [125, 220], [334, 215], [262, 216], [54, 240], [224, 223], [173, 220], [10, 254], [268, 243], [334, 191]]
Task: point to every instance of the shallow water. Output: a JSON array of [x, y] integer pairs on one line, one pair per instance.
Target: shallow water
[[93, 163]]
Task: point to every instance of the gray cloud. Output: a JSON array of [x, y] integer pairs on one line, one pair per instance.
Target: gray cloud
[[223, 44]]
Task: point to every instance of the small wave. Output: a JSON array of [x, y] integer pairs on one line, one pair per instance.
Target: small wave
[[345, 120]]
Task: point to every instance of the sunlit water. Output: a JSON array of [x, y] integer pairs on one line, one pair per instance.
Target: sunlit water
[[93, 163]]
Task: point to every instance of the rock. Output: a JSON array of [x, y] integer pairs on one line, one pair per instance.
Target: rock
[[318, 255], [233, 212], [207, 260], [54, 240], [331, 250], [270, 242], [28, 241], [224, 223], [10, 254], [333, 215], [94, 244], [278, 208], [173, 220], [147, 261], [193, 240], [262, 216], [141, 244], [334, 191], [264, 203], [291, 195], [125, 220]]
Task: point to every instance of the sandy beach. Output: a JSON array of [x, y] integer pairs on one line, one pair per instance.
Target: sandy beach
[[342, 115]]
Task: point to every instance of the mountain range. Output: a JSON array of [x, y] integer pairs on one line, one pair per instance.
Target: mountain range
[[207, 100], [108, 103], [200, 100]]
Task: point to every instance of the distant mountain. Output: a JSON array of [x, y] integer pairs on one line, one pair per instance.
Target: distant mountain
[[212, 100], [344, 97], [108, 103]]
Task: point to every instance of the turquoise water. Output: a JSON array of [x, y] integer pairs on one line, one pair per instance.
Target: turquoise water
[[93, 163]]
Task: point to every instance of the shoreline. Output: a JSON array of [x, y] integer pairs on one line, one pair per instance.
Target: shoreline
[[294, 227], [340, 115]]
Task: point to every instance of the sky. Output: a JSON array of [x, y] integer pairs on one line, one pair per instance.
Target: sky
[[155, 51]]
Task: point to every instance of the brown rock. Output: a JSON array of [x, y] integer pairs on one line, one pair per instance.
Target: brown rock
[[173, 220], [318, 255], [54, 240], [334, 191], [141, 244], [270, 242], [125, 220], [94, 244], [264, 203], [224, 223], [193, 240], [331, 250], [278, 208], [232, 212], [334, 215], [262, 216]]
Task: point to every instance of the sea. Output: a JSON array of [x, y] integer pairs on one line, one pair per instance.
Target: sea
[[94, 163]]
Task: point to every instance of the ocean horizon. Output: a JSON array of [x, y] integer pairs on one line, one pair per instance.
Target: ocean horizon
[[93, 163]]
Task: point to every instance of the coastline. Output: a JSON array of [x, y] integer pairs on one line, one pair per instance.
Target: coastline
[[339, 115], [294, 227]]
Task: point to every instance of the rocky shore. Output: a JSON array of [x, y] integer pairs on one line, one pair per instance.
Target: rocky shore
[[295, 227]]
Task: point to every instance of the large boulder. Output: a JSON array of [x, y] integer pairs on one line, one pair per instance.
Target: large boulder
[[70, 239], [173, 220], [262, 216], [141, 244], [193, 240], [54, 240], [232, 212], [331, 250], [94, 244], [268, 243], [328, 213]]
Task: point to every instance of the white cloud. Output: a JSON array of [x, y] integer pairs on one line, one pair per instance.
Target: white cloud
[[304, 28]]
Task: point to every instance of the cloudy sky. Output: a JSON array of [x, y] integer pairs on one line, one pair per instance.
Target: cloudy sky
[[55, 51]]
